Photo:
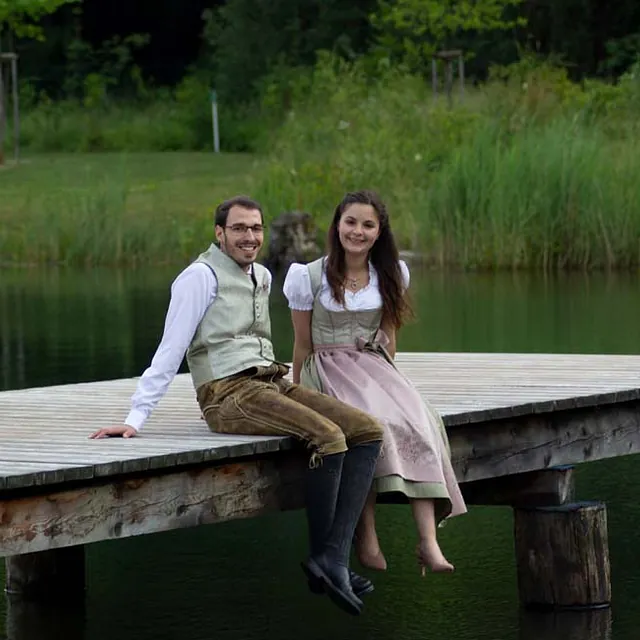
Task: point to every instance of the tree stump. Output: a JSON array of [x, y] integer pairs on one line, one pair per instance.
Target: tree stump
[[47, 576], [562, 556], [292, 238]]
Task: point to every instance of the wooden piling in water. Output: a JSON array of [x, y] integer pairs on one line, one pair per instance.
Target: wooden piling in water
[[47, 576], [37, 621], [594, 624], [562, 556]]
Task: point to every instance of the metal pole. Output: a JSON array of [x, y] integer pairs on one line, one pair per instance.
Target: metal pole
[[449, 77], [434, 76], [2, 115], [214, 116], [461, 74], [16, 109]]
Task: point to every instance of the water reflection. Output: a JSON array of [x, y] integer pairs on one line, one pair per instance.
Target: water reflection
[[242, 579]]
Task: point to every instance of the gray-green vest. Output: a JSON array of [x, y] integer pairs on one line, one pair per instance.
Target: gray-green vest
[[235, 332], [338, 327]]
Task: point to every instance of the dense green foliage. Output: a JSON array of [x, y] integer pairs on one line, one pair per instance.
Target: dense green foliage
[[536, 166], [244, 46], [531, 170], [22, 16]]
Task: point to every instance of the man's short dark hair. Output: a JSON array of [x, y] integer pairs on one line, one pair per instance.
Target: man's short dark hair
[[222, 210]]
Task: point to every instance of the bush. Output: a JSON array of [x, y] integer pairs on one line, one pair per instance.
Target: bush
[[530, 170]]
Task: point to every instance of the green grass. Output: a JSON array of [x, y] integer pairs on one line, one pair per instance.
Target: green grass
[[70, 126], [88, 209], [528, 171], [561, 195]]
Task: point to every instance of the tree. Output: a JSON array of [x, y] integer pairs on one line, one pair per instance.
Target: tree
[[247, 39], [21, 18], [413, 30]]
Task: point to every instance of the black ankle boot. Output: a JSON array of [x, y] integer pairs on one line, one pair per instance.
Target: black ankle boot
[[332, 565], [360, 585]]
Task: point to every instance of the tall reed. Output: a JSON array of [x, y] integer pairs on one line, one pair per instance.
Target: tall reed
[[536, 173]]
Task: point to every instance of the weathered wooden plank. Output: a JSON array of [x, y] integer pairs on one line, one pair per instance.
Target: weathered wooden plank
[[81, 453], [38, 476], [145, 505], [18, 473], [545, 487], [548, 487], [213, 494], [244, 489], [528, 443], [15, 475], [468, 389]]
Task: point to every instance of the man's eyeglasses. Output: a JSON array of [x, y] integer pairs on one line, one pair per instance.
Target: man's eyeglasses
[[241, 229]]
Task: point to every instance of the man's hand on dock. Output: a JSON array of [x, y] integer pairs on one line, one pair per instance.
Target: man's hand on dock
[[122, 431]]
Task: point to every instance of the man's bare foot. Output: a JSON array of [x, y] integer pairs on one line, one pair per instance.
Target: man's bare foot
[[430, 555], [369, 553]]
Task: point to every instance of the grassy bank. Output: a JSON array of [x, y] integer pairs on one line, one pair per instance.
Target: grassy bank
[[528, 171], [89, 209]]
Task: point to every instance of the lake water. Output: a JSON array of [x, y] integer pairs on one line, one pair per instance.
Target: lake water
[[242, 579]]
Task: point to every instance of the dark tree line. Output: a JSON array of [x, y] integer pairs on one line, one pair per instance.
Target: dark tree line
[[238, 41]]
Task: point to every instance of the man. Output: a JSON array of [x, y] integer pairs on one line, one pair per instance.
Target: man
[[219, 316]]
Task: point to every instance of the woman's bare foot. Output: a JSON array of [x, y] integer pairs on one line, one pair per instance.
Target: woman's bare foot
[[368, 551], [430, 555], [366, 539]]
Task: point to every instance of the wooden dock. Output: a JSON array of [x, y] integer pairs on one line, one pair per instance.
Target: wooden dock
[[515, 421]]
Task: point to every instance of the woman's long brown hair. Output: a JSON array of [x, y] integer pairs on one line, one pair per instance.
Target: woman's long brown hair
[[384, 256]]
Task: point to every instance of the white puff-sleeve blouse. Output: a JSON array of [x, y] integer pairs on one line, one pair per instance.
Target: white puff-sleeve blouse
[[297, 290]]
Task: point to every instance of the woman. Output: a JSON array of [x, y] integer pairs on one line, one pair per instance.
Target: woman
[[346, 311]]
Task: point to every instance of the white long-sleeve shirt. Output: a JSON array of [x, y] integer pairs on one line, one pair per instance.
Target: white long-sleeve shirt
[[192, 292]]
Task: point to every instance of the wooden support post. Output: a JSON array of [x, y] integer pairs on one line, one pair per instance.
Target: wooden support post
[[547, 487], [562, 556], [47, 576], [12, 64], [31, 621], [3, 116], [16, 109], [448, 57], [566, 625], [434, 76], [449, 81]]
